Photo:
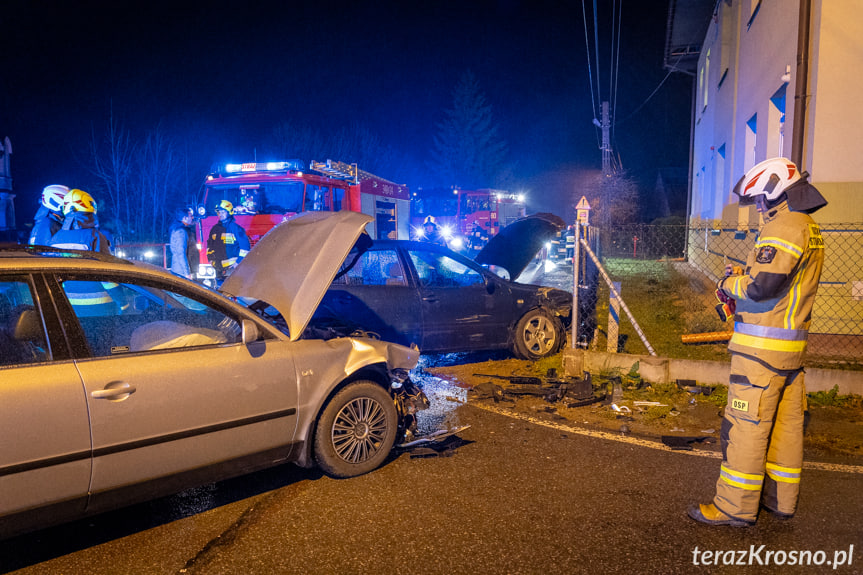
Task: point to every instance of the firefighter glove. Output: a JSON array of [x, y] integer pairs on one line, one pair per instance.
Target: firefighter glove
[[726, 306]]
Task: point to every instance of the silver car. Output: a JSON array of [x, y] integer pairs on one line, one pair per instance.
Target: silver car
[[121, 382]]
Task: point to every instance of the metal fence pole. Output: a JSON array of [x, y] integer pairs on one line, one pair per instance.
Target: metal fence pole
[[622, 303], [576, 261]]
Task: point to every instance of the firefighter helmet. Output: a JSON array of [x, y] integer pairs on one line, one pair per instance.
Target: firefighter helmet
[[225, 205], [79, 201], [770, 179], [52, 197]]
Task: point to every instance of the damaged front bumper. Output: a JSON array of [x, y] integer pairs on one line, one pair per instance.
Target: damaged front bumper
[[409, 400]]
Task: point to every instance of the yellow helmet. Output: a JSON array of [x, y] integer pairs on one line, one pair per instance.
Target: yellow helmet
[[225, 205], [79, 201]]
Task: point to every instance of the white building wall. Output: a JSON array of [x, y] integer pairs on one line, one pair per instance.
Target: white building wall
[[760, 55], [835, 147]]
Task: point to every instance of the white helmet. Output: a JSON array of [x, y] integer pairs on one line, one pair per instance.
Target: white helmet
[[770, 179], [52, 197]]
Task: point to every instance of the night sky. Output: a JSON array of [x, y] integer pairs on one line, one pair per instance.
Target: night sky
[[219, 76]]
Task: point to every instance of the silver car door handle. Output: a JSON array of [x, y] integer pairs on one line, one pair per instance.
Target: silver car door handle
[[116, 390]]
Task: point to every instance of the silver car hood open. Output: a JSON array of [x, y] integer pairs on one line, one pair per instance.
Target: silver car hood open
[[516, 244], [293, 265]]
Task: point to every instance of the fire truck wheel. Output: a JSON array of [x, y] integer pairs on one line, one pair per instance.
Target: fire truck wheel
[[537, 335], [356, 430]]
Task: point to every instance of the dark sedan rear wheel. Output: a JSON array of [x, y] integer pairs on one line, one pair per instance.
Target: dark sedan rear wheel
[[537, 335], [356, 430]]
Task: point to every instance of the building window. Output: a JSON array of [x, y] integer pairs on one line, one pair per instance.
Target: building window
[[749, 141], [776, 123], [725, 35], [706, 75], [755, 6], [719, 177]]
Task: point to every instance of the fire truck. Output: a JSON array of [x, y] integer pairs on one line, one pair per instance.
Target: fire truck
[[464, 214], [265, 194]]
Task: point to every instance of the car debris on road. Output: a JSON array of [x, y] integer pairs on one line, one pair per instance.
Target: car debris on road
[[579, 391]]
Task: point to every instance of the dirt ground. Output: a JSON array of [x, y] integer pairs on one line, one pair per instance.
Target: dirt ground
[[834, 432]]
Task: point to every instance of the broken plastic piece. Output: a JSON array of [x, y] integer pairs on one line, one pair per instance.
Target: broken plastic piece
[[621, 408], [682, 443], [434, 437]]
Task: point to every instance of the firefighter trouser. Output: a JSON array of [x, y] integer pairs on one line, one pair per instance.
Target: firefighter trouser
[[762, 440]]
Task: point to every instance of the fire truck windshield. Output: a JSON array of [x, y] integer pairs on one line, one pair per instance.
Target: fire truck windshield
[[268, 198], [475, 202]]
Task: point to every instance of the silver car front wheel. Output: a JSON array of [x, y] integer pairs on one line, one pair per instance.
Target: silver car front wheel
[[356, 430], [537, 335]]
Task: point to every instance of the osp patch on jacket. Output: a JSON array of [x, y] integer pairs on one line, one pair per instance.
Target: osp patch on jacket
[[765, 254], [816, 242]]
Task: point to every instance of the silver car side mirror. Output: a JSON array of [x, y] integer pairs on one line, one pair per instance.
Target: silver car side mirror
[[250, 331]]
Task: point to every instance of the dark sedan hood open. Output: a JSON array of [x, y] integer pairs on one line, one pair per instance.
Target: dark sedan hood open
[[516, 244]]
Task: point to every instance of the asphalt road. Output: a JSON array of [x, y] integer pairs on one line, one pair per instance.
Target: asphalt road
[[506, 496]]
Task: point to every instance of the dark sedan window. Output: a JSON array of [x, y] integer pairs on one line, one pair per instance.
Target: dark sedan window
[[374, 268], [438, 270], [22, 335], [126, 317]]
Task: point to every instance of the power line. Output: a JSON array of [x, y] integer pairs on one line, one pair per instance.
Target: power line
[[640, 106], [616, 55], [589, 71], [596, 46]]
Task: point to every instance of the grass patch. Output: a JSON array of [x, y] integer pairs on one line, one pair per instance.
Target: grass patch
[[656, 412], [666, 304], [833, 399]]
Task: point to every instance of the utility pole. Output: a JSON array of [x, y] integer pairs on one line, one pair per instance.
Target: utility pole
[[606, 145]]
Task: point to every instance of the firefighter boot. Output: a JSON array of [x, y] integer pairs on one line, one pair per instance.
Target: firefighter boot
[[710, 515]]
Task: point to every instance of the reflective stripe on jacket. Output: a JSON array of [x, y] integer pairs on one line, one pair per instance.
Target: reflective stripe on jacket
[[227, 244], [776, 294]]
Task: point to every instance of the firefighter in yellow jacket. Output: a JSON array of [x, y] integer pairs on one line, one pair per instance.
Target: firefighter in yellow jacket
[[762, 433]]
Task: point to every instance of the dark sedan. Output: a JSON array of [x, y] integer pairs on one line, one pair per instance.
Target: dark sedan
[[424, 294]]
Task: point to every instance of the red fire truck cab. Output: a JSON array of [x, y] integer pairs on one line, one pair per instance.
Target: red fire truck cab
[[265, 194]]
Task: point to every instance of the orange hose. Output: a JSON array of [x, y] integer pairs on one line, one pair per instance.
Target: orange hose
[[711, 336]]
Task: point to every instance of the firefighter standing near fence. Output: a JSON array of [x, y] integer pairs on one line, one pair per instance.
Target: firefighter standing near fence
[[762, 432], [227, 243]]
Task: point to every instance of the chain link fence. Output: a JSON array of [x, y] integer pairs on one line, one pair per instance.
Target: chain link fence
[[666, 276]]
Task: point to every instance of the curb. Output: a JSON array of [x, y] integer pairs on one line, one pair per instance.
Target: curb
[[667, 370]]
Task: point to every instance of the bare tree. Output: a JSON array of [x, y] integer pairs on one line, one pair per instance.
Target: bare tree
[[613, 199], [112, 156], [157, 168]]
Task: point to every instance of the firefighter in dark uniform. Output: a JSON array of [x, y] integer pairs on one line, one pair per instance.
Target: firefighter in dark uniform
[[49, 216], [81, 232], [432, 233], [476, 239], [762, 432], [80, 229], [227, 243]]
